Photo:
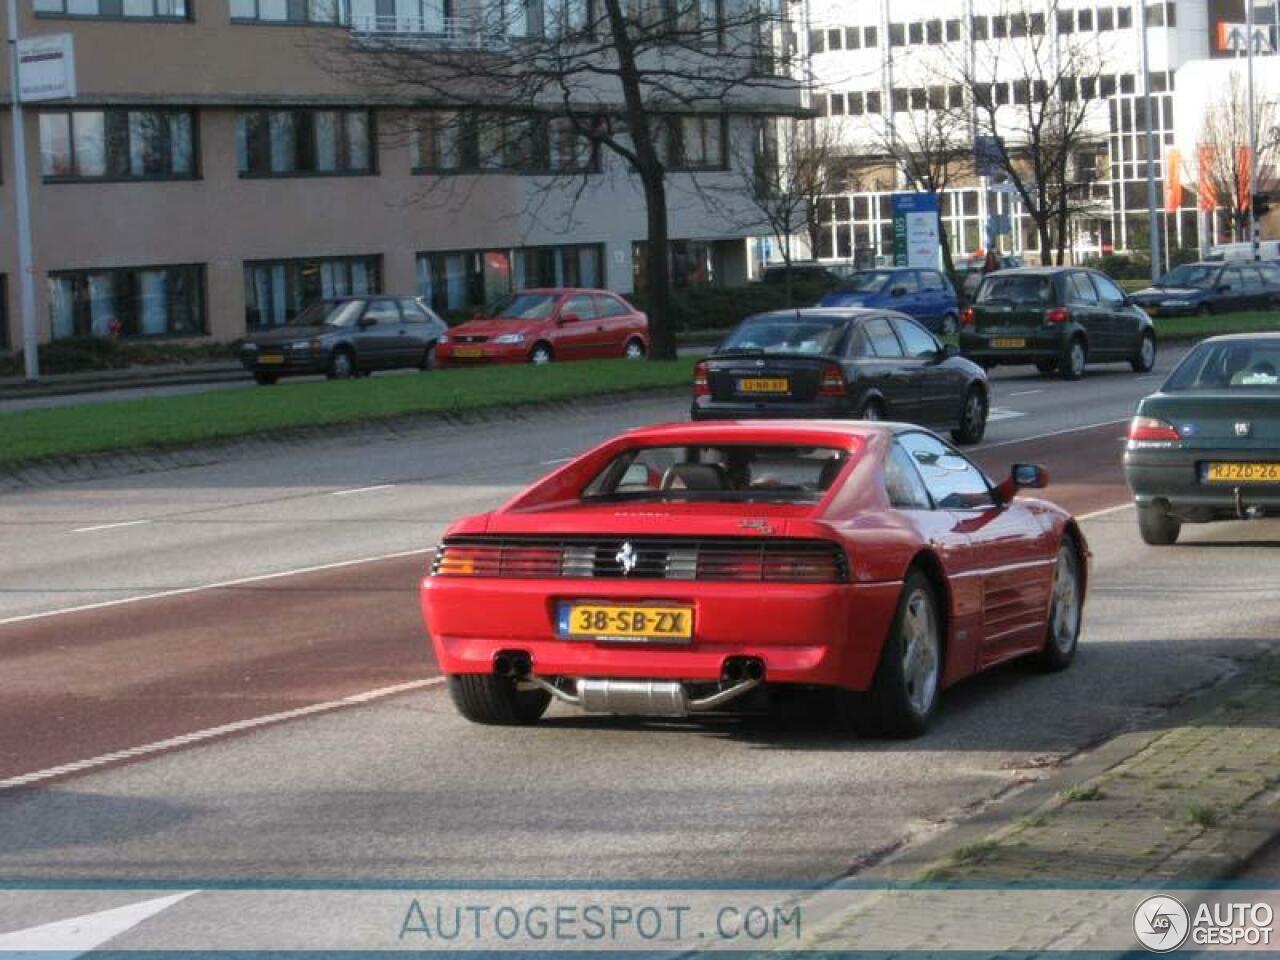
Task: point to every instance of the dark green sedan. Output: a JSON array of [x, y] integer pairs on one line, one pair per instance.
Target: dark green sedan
[[1207, 445], [1058, 318]]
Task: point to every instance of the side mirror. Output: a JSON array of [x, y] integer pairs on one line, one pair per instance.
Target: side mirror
[[1022, 476], [569, 318]]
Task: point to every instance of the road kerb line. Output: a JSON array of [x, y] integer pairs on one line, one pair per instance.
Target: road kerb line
[[1051, 433], [347, 493], [210, 733], [1106, 511], [239, 582], [110, 526]]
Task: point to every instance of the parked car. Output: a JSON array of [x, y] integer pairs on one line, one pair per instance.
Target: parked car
[[841, 362], [970, 272], [346, 337], [1058, 318], [1206, 446], [1267, 250], [807, 272], [924, 295], [1212, 287], [686, 568], [542, 325]]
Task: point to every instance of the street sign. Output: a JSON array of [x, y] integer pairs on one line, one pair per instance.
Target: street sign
[[46, 68], [915, 230], [1234, 38]]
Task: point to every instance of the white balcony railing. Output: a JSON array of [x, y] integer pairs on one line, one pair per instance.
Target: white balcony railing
[[453, 32]]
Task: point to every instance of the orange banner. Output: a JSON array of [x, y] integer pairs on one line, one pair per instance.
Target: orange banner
[[1243, 178], [1208, 195], [1172, 181]]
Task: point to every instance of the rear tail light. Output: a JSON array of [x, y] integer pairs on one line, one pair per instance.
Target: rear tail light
[[467, 560], [778, 565], [966, 318], [1151, 432], [833, 383], [1057, 315], [701, 385]]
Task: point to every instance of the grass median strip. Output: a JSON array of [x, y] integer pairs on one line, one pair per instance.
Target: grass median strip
[[201, 418], [1195, 328]]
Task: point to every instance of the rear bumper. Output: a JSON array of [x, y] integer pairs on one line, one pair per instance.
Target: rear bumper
[[823, 634], [1037, 347], [705, 408], [1173, 480]]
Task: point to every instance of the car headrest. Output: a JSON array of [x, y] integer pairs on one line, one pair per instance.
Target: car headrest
[[695, 476]]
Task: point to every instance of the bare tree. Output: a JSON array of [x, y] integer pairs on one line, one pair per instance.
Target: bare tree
[[932, 149], [787, 166], [1039, 96], [1221, 163], [650, 82]]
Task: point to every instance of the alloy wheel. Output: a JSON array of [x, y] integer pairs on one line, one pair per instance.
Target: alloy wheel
[[920, 653], [1064, 627]]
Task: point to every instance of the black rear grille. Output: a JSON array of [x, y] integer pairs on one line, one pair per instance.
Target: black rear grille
[[644, 558]]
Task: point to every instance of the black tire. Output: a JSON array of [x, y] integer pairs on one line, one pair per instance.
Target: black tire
[[489, 699], [1062, 634], [973, 417], [428, 361], [342, 365], [1074, 356], [1047, 366], [1157, 527], [889, 708], [265, 379], [1145, 359], [873, 409], [541, 354], [634, 350]]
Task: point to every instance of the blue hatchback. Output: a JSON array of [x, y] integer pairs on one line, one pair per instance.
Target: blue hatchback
[[925, 295]]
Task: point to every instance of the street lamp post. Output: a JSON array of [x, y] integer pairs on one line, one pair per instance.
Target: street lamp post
[[1253, 130], [26, 274], [1153, 222]]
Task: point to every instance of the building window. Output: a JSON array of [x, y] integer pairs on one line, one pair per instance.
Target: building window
[[915, 32], [286, 143], [695, 141], [870, 36], [276, 291], [873, 101], [448, 141], [852, 38], [1124, 17], [1084, 20], [933, 31], [117, 144], [817, 41], [835, 39], [953, 31], [897, 34], [116, 9], [287, 11], [460, 280], [978, 26], [1106, 19], [134, 302]]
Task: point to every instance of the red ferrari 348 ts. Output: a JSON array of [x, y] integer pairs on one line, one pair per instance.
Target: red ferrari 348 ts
[[692, 567]]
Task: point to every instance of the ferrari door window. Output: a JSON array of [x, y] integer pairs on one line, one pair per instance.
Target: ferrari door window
[[953, 481], [902, 481]]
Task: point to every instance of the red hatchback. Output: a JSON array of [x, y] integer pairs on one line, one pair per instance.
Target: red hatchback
[[539, 326], [692, 567]]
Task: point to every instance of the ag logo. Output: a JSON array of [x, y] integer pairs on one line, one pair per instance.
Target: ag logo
[[626, 558], [1161, 923]]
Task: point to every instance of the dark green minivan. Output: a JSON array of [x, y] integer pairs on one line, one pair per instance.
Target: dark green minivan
[[1058, 318]]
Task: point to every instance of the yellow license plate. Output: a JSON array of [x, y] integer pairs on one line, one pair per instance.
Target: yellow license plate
[[607, 621], [1008, 343], [764, 385], [1243, 473], [466, 352], [271, 358]]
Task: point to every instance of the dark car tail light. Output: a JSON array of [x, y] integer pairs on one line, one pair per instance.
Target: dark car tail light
[[833, 382], [701, 384], [1057, 315], [966, 318], [1152, 432]]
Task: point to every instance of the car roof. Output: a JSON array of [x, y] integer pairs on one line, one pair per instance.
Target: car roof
[[1039, 271], [842, 434], [564, 290]]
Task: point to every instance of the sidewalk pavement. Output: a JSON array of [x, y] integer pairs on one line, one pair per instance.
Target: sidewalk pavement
[[1175, 808]]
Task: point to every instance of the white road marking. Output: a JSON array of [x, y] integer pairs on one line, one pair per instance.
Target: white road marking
[[213, 586], [347, 493], [1051, 433], [1093, 515], [239, 726], [1000, 413], [76, 936], [111, 526], [1026, 393], [552, 463]]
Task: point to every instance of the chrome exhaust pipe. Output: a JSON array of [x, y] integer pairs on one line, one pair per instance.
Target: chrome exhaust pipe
[[722, 697]]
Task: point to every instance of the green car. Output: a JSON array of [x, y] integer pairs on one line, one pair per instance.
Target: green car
[[1207, 445], [1058, 318]]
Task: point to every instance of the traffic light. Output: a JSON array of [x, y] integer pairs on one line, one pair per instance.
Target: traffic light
[[1261, 204]]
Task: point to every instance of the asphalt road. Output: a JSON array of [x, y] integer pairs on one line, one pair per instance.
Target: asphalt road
[[398, 787]]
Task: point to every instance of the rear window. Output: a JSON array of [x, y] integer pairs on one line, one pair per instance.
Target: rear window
[[729, 473], [1229, 365], [788, 335], [1016, 289]]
